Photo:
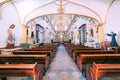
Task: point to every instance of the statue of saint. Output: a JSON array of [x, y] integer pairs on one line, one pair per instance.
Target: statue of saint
[[11, 36], [113, 40]]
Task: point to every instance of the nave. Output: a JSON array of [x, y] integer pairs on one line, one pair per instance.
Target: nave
[[89, 31], [63, 67]]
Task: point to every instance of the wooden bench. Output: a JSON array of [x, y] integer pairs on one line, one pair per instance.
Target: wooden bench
[[103, 70], [83, 48], [29, 59], [19, 52], [22, 70], [98, 58], [50, 49], [77, 52]]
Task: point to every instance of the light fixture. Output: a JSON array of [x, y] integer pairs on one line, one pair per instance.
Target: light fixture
[[61, 3]]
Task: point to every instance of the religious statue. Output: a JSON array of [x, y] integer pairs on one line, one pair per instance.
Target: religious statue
[[91, 28], [33, 28], [11, 36], [91, 32], [113, 40]]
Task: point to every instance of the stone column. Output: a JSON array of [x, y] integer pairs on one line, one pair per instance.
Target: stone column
[[24, 33]]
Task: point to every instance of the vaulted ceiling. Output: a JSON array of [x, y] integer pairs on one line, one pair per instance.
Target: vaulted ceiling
[[26, 9], [63, 11]]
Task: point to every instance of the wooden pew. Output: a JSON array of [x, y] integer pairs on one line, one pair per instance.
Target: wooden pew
[[72, 48], [22, 70], [45, 49], [103, 70], [83, 48], [118, 49], [77, 52], [11, 59], [50, 48], [30, 52], [98, 58]]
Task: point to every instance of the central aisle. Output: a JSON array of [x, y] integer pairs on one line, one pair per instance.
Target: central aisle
[[63, 67]]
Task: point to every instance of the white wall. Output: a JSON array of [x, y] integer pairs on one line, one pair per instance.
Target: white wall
[[8, 17], [113, 20]]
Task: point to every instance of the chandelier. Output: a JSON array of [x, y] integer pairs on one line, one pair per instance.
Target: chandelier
[[61, 3]]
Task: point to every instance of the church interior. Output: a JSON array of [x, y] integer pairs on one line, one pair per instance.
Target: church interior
[[60, 40]]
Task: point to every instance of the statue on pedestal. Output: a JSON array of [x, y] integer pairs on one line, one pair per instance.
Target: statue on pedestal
[[11, 36]]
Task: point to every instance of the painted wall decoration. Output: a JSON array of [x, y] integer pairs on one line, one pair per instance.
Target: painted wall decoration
[[11, 36]]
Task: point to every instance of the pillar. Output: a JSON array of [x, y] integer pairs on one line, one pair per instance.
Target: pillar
[[24, 34], [101, 33]]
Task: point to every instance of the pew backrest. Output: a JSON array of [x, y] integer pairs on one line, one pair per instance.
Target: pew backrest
[[22, 70]]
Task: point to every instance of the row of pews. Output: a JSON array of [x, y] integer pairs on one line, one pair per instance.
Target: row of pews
[[94, 62], [32, 62], [21, 70]]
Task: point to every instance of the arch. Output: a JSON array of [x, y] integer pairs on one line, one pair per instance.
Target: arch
[[64, 13], [100, 20], [109, 6]]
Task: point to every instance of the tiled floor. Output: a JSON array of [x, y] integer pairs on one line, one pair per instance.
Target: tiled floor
[[63, 67]]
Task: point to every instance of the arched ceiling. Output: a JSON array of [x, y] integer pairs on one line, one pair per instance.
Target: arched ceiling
[[31, 9]]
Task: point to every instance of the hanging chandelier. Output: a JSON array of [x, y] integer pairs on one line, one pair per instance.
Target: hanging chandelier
[[61, 3]]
